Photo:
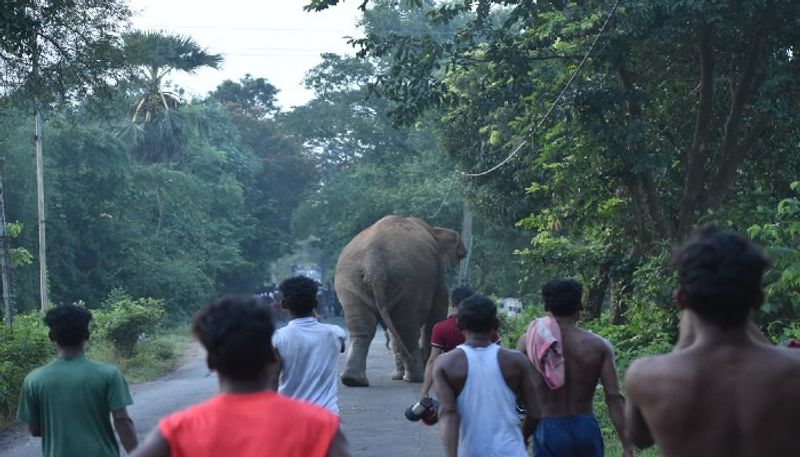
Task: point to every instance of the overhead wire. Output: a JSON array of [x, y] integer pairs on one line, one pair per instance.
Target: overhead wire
[[555, 102], [446, 196]]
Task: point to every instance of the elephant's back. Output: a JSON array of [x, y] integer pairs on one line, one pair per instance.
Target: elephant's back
[[400, 245]]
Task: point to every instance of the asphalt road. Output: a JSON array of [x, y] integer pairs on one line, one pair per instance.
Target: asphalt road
[[372, 418]]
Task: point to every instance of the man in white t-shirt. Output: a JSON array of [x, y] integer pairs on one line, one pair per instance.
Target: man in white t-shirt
[[308, 350]]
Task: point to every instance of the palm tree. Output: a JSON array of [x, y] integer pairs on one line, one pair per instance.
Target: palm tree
[[158, 128]]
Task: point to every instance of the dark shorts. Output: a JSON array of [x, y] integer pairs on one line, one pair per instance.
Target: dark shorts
[[569, 436]]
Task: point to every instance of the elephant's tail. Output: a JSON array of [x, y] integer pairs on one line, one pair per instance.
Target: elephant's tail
[[379, 295]]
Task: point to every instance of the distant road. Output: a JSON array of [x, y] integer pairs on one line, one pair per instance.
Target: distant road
[[372, 417]]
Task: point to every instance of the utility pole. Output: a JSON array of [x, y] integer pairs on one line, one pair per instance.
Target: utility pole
[[5, 268], [37, 115], [466, 235]]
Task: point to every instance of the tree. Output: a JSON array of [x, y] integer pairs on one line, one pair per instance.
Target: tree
[[618, 165], [57, 47], [159, 131], [253, 96]]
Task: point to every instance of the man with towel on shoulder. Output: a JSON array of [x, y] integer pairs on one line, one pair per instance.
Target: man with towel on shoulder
[[556, 346]]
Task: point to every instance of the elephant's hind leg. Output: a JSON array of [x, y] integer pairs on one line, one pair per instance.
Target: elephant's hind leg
[[361, 323], [399, 368], [409, 332]]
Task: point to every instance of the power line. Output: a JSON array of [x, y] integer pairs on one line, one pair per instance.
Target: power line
[[555, 102], [446, 196], [237, 28]]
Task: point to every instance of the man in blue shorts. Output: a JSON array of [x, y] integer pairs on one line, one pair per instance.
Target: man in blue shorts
[[566, 386]]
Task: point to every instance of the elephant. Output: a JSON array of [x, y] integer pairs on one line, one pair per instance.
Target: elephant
[[393, 272]]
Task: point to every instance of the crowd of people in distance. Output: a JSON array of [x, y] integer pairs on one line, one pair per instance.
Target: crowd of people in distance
[[725, 390]]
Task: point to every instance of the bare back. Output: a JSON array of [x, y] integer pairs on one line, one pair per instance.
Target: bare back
[[724, 400], [585, 355]]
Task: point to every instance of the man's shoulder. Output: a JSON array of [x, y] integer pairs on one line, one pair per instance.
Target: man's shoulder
[[445, 334], [335, 329], [281, 333], [103, 367], [646, 370], [593, 337], [447, 324], [512, 357], [447, 358], [782, 358], [38, 373]]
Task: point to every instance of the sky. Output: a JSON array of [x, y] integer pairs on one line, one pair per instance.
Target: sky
[[271, 39]]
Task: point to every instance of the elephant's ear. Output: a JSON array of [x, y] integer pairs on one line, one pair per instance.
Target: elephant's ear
[[449, 244]]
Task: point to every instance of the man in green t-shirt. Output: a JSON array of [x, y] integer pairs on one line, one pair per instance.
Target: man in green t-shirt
[[68, 401]]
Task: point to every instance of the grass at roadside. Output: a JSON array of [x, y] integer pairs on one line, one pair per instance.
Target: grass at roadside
[[154, 356], [27, 347]]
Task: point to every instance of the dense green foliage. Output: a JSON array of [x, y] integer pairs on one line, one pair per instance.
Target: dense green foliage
[[22, 349], [207, 221], [142, 351], [681, 114], [125, 321]]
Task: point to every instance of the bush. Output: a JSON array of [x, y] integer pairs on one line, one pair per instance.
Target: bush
[[23, 347], [125, 321]]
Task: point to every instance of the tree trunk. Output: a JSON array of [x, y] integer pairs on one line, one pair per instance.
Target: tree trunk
[[466, 236], [619, 301], [597, 294]]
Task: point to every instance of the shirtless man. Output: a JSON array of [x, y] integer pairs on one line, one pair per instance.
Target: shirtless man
[[568, 425], [726, 393], [477, 384]]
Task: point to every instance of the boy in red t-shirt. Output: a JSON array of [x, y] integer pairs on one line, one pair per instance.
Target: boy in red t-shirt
[[446, 336], [247, 418]]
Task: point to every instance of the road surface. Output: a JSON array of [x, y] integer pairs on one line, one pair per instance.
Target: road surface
[[372, 418]]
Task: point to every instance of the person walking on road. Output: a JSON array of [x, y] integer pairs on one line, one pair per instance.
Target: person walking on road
[[247, 418], [725, 391], [69, 401], [569, 362], [478, 385], [308, 350], [446, 336]]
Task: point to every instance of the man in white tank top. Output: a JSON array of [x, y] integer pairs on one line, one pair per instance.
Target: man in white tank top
[[478, 384]]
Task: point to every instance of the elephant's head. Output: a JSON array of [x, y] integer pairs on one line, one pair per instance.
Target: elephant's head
[[450, 245]]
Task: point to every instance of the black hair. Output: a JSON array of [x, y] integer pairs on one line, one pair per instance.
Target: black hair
[[69, 324], [237, 334], [459, 294], [299, 295], [720, 273], [477, 313], [562, 297]]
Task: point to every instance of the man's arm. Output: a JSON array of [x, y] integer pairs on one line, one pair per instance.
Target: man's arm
[[614, 399], [28, 409], [428, 378], [154, 446], [123, 424], [275, 371], [530, 399], [636, 428], [338, 446], [521, 345], [448, 409]]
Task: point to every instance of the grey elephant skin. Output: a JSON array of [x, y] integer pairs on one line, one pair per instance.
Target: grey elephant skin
[[393, 271]]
